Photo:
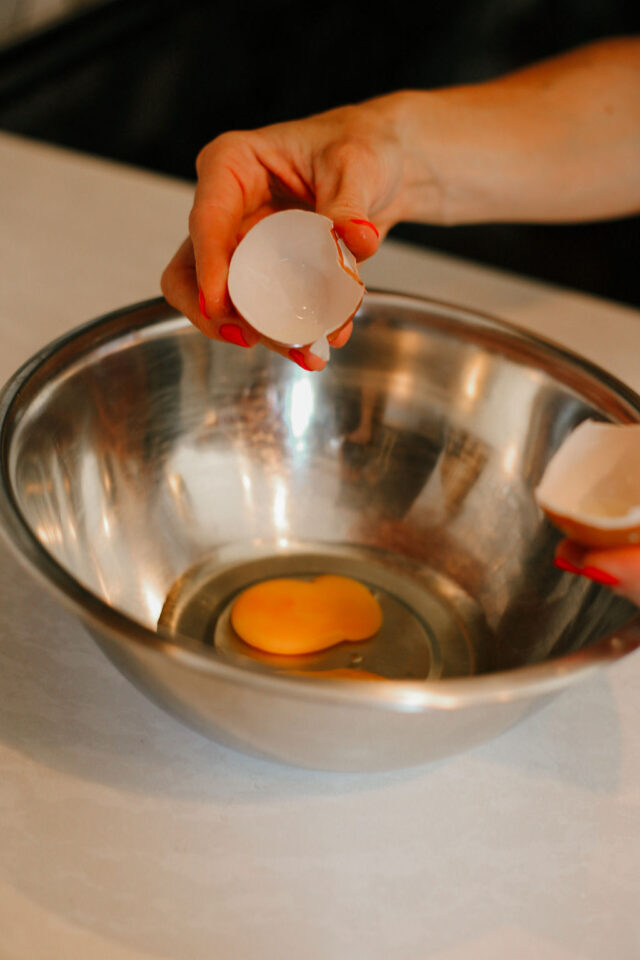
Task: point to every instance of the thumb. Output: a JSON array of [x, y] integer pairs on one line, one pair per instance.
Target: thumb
[[360, 235], [341, 196]]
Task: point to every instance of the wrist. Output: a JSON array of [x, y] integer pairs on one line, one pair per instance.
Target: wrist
[[457, 156], [407, 116], [472, 154]]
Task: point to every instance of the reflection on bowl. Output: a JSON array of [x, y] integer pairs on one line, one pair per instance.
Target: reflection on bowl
[[149, 475]]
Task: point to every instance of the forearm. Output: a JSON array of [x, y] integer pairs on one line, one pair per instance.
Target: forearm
[[559, 141]]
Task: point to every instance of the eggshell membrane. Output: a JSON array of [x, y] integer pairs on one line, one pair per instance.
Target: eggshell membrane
[[591, 487], [294, 280]]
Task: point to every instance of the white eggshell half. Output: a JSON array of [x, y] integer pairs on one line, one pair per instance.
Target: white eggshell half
[[593, 480], [294, 280]]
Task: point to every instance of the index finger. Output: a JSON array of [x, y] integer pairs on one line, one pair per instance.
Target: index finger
[[231, 184]]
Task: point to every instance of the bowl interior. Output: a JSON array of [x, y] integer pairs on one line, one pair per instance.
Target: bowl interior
[[165, 472]]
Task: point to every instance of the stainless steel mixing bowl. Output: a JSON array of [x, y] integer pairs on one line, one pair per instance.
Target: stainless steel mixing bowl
[[149, 474]]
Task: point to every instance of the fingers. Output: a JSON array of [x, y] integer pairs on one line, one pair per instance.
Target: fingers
[[232, 186], [236, 177], [304, 356], [360, 235], [340, 337], [617, 568], [308, 360], [300, 355], [179, 286], [343, 194]]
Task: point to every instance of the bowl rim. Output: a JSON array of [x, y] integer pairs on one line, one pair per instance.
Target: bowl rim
[[501, 686]]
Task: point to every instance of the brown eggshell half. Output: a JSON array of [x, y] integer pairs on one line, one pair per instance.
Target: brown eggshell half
[[590, 489]]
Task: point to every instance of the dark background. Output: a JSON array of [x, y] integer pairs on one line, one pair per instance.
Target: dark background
[[149, 83]]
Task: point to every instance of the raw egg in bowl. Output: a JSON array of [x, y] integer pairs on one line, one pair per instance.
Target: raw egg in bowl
[[288, 617], [150, 476]]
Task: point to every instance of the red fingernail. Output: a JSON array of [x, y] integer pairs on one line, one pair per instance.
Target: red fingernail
[[232, 333], [563, 564], [203, 306], [298, 358], [600, 576], [366, 223]]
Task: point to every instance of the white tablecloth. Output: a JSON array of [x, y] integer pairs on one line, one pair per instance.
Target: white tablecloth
[[124, 836]]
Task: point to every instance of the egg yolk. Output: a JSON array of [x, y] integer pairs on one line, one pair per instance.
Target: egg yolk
[[286, 616]]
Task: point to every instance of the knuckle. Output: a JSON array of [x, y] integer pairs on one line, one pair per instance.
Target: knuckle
[[345, 151], [201, 160], [167, 284], [197, 220], [351, 153], [225, 143]]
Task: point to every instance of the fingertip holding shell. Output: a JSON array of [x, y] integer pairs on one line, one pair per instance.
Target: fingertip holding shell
[[294, 280]]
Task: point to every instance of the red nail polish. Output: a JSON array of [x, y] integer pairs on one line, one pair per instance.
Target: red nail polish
[[600, 576], [232, 333], [563, 564], [366, 223], [203, 306], [298, 358]]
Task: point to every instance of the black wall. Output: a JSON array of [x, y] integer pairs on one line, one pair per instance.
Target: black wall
[[151, 82]]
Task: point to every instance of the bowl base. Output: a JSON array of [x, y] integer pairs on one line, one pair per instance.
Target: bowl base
[[431, 628]]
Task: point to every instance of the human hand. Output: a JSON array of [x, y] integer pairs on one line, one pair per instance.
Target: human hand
[[615, 567], [550, 143], [348, 164]]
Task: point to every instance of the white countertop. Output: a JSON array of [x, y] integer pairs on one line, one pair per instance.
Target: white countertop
[[124, 836]]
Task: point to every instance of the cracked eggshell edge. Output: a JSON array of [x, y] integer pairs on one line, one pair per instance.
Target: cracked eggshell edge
[[588, 529]]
